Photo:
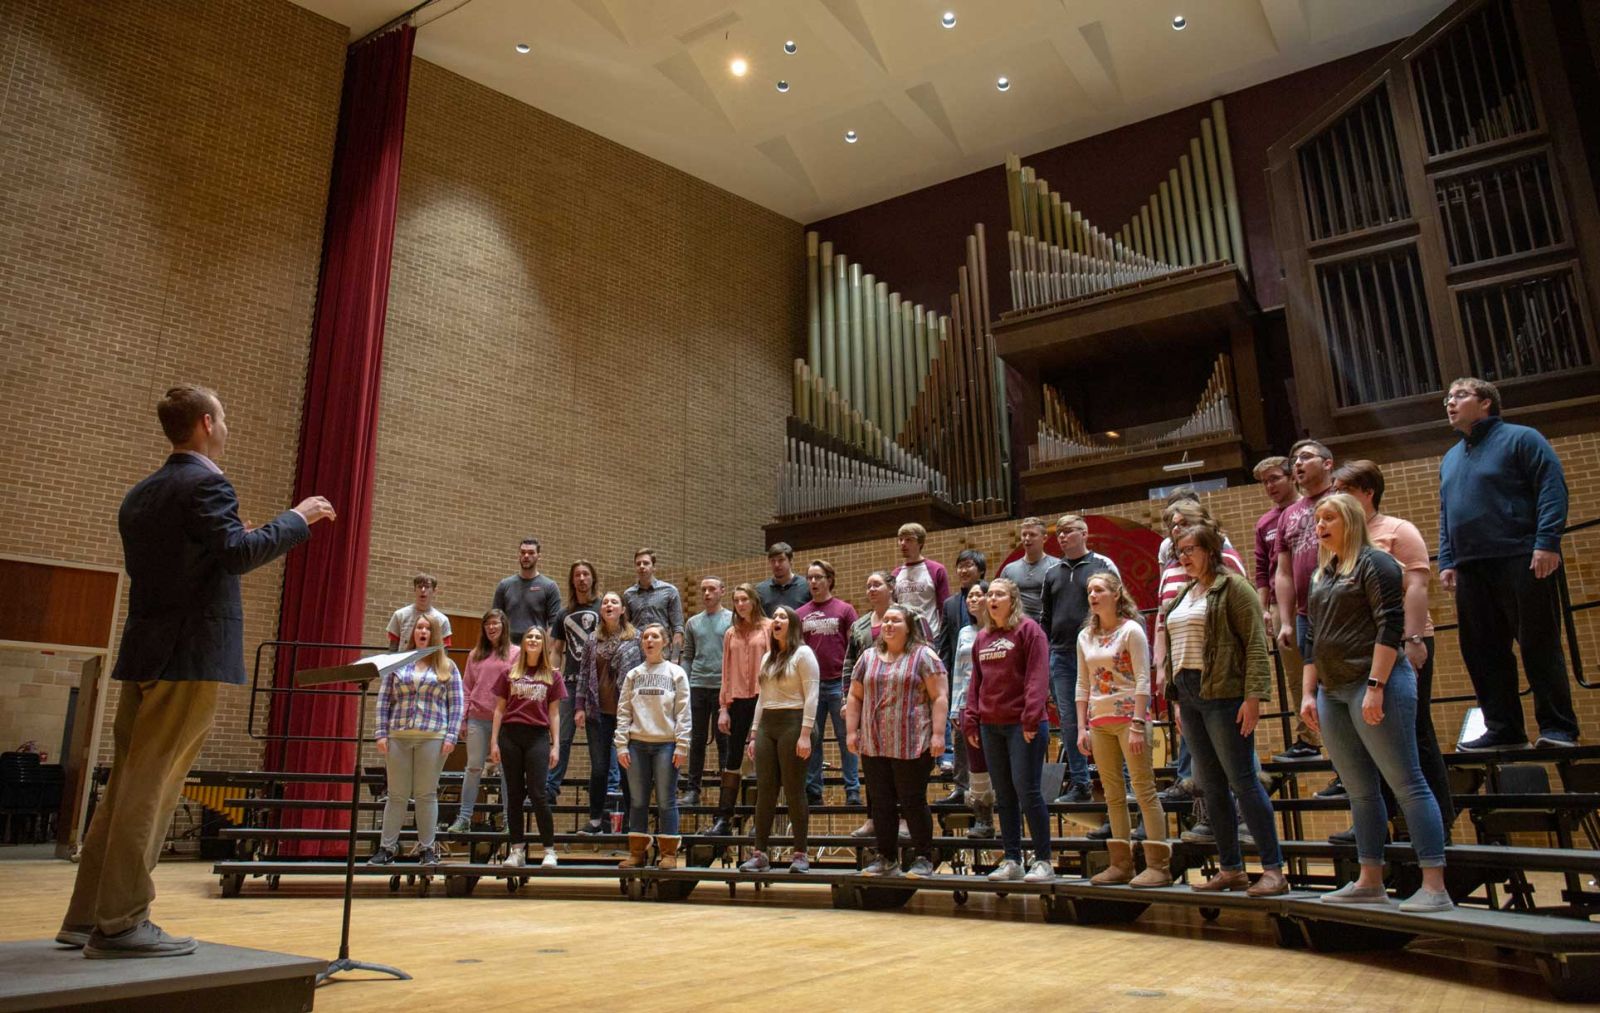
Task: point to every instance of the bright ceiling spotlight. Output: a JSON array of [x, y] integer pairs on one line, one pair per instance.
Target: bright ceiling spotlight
[[739, 67], [789, 47], [1179, 23], [850, 137], [524, 48], [783, 85], [1004, 84], [949, 19]]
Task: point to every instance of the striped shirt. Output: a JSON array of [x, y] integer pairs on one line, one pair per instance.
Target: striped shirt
[[896, 712], [1186, 624], [411, 699]]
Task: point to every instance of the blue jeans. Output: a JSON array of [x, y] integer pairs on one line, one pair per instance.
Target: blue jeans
[[478, 730], [1015, 766], [1064, 688], [830, 706], [1302, 637], [569, 730], [1362, 752], [1224, 759], [650, 767]]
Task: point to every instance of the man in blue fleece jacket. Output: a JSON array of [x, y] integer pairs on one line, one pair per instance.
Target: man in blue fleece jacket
[[1502, 508]]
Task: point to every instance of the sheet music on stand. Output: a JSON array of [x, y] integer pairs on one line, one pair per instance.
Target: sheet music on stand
[[363, 671]]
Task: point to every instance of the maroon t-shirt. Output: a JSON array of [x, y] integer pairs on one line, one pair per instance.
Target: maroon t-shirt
[[528, 698], [1297, 535], [826, 629]]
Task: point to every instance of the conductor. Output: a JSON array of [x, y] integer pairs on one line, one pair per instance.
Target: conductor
[[184, 548]]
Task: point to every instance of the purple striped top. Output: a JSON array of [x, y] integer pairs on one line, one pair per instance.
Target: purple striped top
[[896, 712]]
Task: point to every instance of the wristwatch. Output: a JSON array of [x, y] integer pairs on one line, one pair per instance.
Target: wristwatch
[[1415, 638], [1375, 684]]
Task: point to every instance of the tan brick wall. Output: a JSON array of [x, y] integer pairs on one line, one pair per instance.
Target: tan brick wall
[[606, 337], [34, 690], [586, 346], [165, 169]]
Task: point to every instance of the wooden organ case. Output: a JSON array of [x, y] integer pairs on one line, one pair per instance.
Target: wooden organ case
[[1437, 219], [1138, 347]]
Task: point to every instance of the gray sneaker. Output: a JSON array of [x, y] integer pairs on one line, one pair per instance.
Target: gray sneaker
[[882, 867], [1040, 871], [920, 869], [462, 825], [143, 940], [1426, 900], [1006, 872], [1352, 894]]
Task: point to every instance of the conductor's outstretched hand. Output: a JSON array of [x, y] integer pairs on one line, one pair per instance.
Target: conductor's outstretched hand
[[314, 509]]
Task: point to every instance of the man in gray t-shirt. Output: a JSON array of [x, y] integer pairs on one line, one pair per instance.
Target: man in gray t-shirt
[[1029, 572], [529, 598]]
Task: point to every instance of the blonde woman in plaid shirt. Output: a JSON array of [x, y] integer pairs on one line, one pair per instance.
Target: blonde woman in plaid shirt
[[419, 714]]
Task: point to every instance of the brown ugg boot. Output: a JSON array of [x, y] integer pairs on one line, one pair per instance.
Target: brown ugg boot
[[667, 853], [1157, 865], [1121, 868], [638, 846]]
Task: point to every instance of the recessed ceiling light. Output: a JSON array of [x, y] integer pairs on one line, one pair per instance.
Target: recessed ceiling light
[[739, 66], [949, 19], [523, 47], [789, 47], [850, 137], [1179, 23], [1004, 84], [783, 85]]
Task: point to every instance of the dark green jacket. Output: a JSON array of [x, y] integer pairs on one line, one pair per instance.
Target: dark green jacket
[[1236, 662]]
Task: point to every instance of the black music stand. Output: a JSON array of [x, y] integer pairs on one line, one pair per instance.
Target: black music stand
[[363, 672]]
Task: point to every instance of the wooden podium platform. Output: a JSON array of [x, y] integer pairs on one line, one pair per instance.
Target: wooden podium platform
[[40, 975]]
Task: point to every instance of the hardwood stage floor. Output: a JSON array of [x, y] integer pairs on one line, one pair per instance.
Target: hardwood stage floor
[[577, 945]]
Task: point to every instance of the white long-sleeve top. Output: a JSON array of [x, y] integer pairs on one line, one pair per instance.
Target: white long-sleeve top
[[794, 688], [1113, 668]]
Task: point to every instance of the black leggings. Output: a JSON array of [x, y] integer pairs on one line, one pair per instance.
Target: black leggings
[[741, 712], [899, 788], [777, 765], [703, 709], [524, 765]]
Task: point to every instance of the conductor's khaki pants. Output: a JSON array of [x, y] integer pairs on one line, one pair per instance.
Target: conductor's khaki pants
[[159, 729]]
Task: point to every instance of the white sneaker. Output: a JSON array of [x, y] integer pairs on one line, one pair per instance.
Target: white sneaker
[[549, 859], [517, 857], [1040, 872], [1006, 871]]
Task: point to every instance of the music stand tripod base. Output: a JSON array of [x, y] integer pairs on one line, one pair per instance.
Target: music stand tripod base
[[362, 672]]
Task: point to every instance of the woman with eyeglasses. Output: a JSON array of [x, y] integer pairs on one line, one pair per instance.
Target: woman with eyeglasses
[[1216, 644]]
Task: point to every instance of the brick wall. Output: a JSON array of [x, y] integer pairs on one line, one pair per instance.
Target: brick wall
[[35, 688], [582, 342], [165, 170], [583, 345]]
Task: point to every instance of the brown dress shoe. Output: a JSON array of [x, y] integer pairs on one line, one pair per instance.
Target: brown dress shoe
[[1224, 881], [1271, 884]]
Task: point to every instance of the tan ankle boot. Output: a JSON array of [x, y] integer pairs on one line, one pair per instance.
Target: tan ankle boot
[[1121, 868], [1157, 865], [638, 845], [667, 857]]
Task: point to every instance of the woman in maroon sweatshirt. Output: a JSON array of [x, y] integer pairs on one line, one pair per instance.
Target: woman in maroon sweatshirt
[[1005, 709]]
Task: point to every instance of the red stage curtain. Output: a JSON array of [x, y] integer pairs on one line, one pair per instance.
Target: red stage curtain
[[324, 591]]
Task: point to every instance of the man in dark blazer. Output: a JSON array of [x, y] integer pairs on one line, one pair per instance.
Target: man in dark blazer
[[184, 548]]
